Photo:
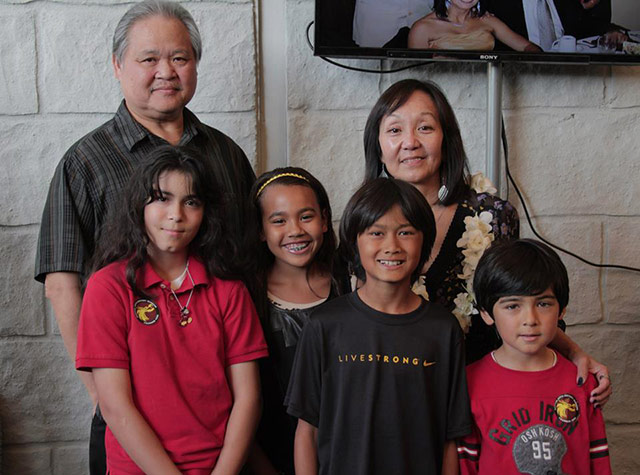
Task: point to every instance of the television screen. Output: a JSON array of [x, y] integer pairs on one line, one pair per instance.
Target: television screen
[[565, 31]]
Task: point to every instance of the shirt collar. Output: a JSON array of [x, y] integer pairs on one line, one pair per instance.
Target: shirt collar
[[133, 132], [192, 126], [197, 270]]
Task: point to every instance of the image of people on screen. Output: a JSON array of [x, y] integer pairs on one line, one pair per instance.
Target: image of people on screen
[[532, 26], [464, 25], [376, 22], [559, 25]]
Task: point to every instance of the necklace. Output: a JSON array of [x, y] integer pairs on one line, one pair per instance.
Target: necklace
[[444, 208], [185, 318], [555, 358]]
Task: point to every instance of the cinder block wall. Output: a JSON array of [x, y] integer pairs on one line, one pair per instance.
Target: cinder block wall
[[574, 135], [56, 84]]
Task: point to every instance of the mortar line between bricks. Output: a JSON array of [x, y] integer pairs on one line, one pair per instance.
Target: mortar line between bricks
[[18, 226], [631, 425], [46, 337], [603, 325], [585, 215], [54, 444], [308, 110]]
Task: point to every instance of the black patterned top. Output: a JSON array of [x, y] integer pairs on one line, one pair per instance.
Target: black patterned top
[[442, 281]]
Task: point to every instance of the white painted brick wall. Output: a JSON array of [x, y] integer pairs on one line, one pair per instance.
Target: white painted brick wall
[[574, 134], [22, 303], [56, 85], [17, 43], [574, 137]]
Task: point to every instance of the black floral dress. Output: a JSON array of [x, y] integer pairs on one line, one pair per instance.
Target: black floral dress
[[442, 281]]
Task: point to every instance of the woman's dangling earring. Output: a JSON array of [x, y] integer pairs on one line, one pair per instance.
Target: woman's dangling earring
[[442, 193], [384, 173]]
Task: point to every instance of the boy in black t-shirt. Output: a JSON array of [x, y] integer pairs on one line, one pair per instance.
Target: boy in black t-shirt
[[378, 383]]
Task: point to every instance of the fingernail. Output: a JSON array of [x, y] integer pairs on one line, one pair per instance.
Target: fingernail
[[580, 381], [596, 405]]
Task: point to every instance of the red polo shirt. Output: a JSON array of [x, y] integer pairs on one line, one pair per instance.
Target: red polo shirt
[[178, 377]]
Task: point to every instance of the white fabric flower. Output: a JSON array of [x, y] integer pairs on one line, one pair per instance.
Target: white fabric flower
[[463, 310], [419, 288], [481, 184], [476, 242], [476, 238]]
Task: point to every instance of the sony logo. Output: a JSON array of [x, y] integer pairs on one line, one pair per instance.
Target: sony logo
[[488, 56]]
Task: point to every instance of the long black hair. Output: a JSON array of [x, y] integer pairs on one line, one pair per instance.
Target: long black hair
[[454, 171], [125, 237]]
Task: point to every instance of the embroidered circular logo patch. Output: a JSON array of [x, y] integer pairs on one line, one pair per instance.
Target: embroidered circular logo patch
[[146, 311], [567, 408]]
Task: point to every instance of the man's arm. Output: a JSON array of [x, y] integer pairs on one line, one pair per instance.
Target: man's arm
[[127, 424], [305, 449], [63, 291], [243, 420]]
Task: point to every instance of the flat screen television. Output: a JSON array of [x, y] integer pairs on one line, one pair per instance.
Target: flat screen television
[[547, 31]]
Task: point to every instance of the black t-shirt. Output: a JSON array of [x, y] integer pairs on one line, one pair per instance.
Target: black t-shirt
[[385, 391]]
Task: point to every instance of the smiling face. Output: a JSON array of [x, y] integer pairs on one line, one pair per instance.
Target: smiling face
[[526, 324], [411, 141], [464, 4], [158, 73], [293, 224], [390, 249], [172, 218]]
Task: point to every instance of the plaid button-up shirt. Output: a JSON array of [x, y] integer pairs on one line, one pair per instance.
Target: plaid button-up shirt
[[94, 170]]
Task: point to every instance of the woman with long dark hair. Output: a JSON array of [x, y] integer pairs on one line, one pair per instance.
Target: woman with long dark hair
[[412, 134], [464, 25]]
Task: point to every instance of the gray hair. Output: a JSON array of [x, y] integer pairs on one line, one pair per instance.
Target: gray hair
[[150, 8]]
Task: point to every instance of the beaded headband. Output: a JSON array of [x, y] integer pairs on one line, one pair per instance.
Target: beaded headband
[[280, 175]]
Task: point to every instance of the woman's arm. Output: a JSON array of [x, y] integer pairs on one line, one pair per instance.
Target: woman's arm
[[305, 449], [508, 36], [243, 420], [127, 424], [586, 364], [420, 34]]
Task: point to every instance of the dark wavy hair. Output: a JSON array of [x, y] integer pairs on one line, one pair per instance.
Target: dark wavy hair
[[440, 7], [369, 204], [454, 170], [125, 237], [520, 267], [262, 256]]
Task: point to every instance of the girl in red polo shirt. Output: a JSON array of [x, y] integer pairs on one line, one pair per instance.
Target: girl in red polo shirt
[[170, 341]]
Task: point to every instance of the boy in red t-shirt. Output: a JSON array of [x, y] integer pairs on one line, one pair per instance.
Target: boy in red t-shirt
[[529, 414]]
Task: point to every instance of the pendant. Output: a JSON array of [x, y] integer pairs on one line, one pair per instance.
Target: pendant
[[185, 319]]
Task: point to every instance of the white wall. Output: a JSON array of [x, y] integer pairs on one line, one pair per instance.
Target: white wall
[[574, 134], [626, 13], [56, 84], [574, 137]]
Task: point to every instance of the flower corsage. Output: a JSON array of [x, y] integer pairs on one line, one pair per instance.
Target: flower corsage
[[477, 237]]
